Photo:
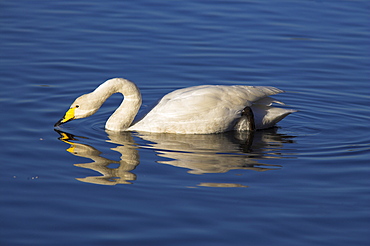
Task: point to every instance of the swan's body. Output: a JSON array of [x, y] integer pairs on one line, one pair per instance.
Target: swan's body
[[195, 110]]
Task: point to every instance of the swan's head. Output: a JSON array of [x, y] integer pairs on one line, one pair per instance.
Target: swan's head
[[82, 107]]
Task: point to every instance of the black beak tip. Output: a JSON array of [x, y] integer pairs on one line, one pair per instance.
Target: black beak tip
[[58, 123]]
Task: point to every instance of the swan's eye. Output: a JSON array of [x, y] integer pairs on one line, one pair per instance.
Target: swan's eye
[[77, 106]]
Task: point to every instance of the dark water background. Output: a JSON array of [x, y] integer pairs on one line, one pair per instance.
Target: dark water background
[[306, 182]]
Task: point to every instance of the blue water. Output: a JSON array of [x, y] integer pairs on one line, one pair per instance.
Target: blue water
[[305, 182]]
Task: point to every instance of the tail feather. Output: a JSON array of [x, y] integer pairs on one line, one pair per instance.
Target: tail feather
[[267, 116]]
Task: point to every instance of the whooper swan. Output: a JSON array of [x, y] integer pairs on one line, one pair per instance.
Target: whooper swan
[[201, 109]]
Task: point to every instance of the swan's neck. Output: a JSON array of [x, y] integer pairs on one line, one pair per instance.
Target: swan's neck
[[122, 118]]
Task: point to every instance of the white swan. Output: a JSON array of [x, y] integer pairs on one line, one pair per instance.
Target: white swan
[[202, 109]]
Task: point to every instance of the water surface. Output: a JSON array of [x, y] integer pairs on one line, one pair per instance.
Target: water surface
[[305, 182]]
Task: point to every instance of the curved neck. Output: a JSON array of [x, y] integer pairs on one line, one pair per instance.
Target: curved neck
[[126, 112]]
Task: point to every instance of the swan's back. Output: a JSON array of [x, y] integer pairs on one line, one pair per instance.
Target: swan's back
[[202, 109]]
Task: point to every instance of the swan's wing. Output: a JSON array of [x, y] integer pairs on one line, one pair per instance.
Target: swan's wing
[[248, 93], [268, 101], [203, 109], [191, 103], [202, 99]]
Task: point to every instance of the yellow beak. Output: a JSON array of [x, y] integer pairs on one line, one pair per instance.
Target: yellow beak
[[70, 115]]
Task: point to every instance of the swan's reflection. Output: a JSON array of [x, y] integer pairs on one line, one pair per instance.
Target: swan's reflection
[[216, 153], [110, 175]]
